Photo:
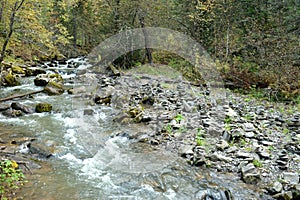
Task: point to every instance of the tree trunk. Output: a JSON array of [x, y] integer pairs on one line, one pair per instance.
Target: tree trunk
[[148, 50]]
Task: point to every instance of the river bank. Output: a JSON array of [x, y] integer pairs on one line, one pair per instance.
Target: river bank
[[255, 145]]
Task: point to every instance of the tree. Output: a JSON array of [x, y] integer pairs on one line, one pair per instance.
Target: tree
[[16, 7]]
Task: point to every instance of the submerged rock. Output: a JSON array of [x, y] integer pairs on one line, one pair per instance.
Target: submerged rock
[[43, 107]]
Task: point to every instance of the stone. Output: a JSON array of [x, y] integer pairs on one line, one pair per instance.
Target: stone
[[4, 107], [222, 144], [11, 80], [277, 187], [249, 134], [250, 174], [17, 70], [215, 157], [41, 151], [34, 71], [77, 90], [186, 150], [241, 154], [248, 127], [43, 107], [290, 177], [89, 112], [54, 88], [18, 106], [44, 79]]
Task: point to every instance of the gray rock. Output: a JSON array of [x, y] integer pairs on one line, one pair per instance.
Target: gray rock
[[18, 106], [215, 157], [222, 144], [277, 187], [248, 127], [77, 90], [290, 177], [250, 174], [186, 150], [249, 134]]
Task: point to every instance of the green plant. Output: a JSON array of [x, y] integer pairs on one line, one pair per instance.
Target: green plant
[[200, 137], [285, 131], [257, 163], [11, 177], [227, 120], [179, 118], [243, 142], [271, 148], [169, 129]]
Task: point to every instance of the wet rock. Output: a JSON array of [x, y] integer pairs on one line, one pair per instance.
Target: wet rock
[[12, 113], [4, 107], [54, 88], [43, 107], [89, 112], [77, 90], [18, 106], [41, 151], [44, 79], [290, 177], [34, 71], [250, 174]]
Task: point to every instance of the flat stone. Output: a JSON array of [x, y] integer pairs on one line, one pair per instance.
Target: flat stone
[[249, 134], [248, 127], [290, 177], [241, 154], [216, 157]]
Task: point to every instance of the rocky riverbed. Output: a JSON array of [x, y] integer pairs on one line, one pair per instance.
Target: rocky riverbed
[[255, 141]]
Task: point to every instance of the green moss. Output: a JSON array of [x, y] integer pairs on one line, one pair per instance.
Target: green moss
[[43, 107], [57, 77], [11, 80], [17, 70], [54, 88]]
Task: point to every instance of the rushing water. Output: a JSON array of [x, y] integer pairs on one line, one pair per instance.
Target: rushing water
[[90, 164]]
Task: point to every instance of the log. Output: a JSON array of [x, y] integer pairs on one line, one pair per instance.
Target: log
[[20, 95]]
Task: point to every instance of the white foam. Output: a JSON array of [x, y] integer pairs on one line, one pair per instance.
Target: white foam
[[71, 158]]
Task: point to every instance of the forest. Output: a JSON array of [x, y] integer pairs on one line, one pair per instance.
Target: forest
[[254, 43]]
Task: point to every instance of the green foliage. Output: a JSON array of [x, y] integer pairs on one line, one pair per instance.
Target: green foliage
[[10, 178], [200, 140], [179, 118], [257, 163]]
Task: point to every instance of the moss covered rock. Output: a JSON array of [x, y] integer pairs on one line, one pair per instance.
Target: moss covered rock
[[54, 88], [43, 107], [17, 70], [11, 80]]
